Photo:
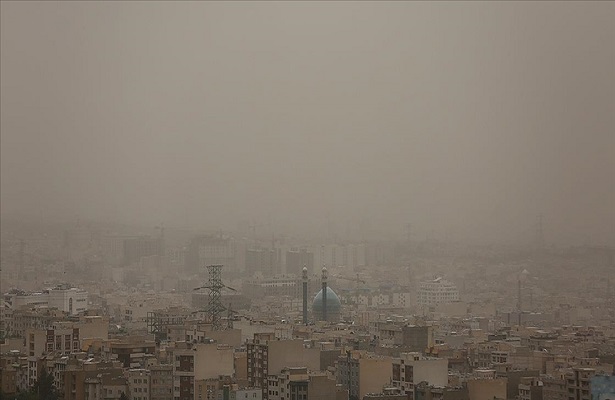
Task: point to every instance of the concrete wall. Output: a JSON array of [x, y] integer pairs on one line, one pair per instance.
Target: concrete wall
[[241, 366], [321, 388], [374, 374], [212, 360], [232, 337], [433, 371], [291, 353], [487, 389], [93, 327]]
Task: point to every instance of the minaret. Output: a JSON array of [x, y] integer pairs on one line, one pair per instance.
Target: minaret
[[522, 277], [305, 295], [324, 293]]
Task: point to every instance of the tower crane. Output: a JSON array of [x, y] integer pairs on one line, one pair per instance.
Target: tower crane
[[347, 278]]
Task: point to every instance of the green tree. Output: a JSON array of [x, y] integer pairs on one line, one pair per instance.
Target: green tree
[[44, 387], [123, 396], [29, 395]]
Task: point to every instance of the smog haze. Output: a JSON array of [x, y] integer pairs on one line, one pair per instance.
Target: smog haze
[[467, 120]]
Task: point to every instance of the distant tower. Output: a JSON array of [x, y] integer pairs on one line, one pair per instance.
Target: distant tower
[[540, 238], [22, 266], [408, 231], [522, 277], [305, 294], [66, 246], [324, 293], [215, 307], [161, 246]]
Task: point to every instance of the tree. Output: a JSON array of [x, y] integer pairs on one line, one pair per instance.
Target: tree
[[123, 396], [29, 395], [44, 387]]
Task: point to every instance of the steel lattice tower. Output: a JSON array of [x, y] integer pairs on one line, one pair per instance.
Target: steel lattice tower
[[215, 307]]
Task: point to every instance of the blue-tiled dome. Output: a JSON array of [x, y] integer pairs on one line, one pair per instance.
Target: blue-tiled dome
[[333, 304]]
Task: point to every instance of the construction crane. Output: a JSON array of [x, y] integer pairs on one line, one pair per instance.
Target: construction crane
[[357, 279]]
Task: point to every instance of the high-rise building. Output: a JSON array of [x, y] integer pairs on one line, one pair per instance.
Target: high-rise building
[[141, 246], [264, 261], [437, 291], [297, 259], [205, 250]]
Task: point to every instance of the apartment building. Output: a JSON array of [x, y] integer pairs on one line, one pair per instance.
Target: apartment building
[[437, 291], [361, 373], [139, 384], [45, 341], [268, 356], [578, 383], [161, 382], [199, 362], [412, 368]]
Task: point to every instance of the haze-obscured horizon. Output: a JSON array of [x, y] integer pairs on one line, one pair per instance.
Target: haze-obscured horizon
[[463, 119]]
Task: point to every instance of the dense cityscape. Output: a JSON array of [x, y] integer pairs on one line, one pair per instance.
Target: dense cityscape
[[169, 314]]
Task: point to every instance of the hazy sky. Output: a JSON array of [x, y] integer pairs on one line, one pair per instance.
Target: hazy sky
[[465, 119]]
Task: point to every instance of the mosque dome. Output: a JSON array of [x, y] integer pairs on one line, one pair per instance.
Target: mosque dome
[[334, 304]]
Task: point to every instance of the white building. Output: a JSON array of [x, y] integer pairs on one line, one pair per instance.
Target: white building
[[413, 368], [20, 299], [247, 394], [401, 299], [437, 291], [380, 299], [72, 301]]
